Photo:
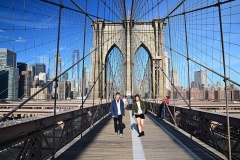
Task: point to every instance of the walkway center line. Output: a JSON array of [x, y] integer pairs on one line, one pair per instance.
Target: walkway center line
[[137, 147]]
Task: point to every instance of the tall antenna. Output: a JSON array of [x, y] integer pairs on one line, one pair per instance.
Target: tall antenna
[[129, 14]]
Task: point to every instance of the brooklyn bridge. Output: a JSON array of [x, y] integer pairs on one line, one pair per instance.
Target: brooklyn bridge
[[63, 61]]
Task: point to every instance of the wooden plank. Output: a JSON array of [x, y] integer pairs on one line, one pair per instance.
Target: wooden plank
[[101, 143], [182, 142], [158, 144]]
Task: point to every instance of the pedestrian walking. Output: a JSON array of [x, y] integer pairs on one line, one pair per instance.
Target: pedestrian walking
[[118, 112], [138, 112]]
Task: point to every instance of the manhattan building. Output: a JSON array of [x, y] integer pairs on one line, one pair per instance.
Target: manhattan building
[[9, 75], [7, 58], [200, 79]]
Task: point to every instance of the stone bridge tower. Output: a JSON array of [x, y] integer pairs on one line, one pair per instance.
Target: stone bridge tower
[[128, 36]]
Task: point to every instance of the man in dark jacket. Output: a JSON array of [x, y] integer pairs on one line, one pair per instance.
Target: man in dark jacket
[[118, 112]]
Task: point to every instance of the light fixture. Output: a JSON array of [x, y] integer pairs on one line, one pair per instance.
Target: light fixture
[[157, 65]]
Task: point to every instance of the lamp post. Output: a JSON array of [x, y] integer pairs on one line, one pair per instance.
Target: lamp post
[[157, 68]]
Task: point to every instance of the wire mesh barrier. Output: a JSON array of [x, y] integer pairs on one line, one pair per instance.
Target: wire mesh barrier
[[209, 127], [86, 50], [51, 51], [51, 66], [35, 139], [195, 55]]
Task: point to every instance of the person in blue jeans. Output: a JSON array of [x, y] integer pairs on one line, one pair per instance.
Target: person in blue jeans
[[118, 112], [165, 102]]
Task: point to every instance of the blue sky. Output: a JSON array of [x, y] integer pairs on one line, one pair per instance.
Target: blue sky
[[30, 29], [204, 42]]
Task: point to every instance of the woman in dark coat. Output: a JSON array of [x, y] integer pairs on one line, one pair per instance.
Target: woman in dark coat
[[138, 111]]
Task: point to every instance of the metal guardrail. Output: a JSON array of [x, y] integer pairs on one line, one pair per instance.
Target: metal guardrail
[[210, 128], [35, 140]]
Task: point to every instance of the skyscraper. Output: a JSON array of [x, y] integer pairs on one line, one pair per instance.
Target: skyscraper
[[9, 75], [32, 72], [40, 67], [27, 83], [201, 79], [175, 77], [22, 67], [4, 84], [7, 58], [168, 71], [87, 78], [63, 89], [65, 76], [59, 66], [11, 87], [42, 79], [72, 81], [36, 69], [75, 70]]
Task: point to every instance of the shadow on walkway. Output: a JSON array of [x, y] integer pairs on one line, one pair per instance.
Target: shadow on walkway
[[194, 147], [76, 149]]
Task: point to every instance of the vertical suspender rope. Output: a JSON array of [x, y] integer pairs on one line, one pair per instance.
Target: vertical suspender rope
[[130, 43], [95, 53], [84, 45], [189, 85], [171, 61], [56, 79], [225, 80]]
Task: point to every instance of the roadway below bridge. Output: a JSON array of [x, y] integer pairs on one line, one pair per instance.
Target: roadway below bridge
[[213, 106], [35, 108]]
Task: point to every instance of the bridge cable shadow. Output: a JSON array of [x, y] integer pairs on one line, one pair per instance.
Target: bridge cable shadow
[[192, 146]]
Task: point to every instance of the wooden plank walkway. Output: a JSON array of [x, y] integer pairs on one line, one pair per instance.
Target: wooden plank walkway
[[161, 141]]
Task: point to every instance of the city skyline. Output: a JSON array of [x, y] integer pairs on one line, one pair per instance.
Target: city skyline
[[20, 80], [36, 41]]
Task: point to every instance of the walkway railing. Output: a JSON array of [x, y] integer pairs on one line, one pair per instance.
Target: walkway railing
[[35, 139], [209, 127]]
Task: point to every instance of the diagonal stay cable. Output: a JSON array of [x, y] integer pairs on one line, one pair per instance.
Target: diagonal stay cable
[[171, 83], [55, 79], [195, 10], [111, 10], [206, 67], [89, 15]]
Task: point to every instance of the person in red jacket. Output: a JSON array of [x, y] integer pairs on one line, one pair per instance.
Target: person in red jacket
[[165, 102]]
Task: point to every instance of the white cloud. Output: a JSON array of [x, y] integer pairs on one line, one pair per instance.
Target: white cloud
[[44, 24], [6, 37], [20, 39]]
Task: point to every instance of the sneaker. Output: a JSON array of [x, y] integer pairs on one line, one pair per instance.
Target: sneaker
[[116, 134], [121, 135]]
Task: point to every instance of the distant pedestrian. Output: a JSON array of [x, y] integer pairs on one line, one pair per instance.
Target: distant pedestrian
[[125, 102], [118, 112], [165, 102], [130, 101], [138, 111]]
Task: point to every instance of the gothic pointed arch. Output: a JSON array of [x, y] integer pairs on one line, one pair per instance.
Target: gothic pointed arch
[[110, 49], [147, 71]]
